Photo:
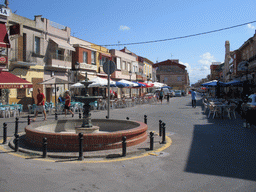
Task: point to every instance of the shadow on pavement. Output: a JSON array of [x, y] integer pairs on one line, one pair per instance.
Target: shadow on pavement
[[223, 150]]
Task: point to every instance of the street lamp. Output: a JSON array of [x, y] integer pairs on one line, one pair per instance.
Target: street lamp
[[77, 66], [148, 78], [246, 83], [130, 73]]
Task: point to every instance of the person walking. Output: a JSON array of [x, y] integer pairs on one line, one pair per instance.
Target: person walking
[[193, 96], [67, 104], [168, 97], [40, 104], [161, 95]]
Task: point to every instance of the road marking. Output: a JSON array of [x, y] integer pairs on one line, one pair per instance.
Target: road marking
[[168, 144]]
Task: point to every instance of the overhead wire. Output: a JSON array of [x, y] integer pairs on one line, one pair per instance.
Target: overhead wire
[[181, 37]]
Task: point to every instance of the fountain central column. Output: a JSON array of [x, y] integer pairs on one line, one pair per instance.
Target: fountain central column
[[87, 126]]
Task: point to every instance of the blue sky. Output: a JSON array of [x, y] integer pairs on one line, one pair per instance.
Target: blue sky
[[112, 21]]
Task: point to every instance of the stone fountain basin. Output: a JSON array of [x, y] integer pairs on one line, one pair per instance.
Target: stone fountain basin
[[61, 134]]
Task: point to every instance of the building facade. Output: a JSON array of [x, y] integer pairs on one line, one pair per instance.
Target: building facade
[[172, 73]]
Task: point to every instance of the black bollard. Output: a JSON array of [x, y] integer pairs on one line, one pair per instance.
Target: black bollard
[[28, 120], [16, 126], [124, 146], [127, 118], [163, 137], [16, 141], [160, 128], [106, 117], [80, 116], [44, 147], [56, 116], [151, 140], [81, 157], [145, 119], [4, 133]]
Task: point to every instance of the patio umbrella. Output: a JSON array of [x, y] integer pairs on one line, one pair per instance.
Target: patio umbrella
[[54, 81], [131, 84], [167, 87], [122, 85], [158, 85], [77, 85], [146, 84], [139, 85], [101, 82]]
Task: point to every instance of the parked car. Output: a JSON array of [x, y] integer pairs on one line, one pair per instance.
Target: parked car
[[172, 93], [249, 109], [177, 93]]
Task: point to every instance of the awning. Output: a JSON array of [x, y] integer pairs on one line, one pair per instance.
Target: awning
[[63, 44], [11, 81], [104, 55], [4, 41], [213, 83]]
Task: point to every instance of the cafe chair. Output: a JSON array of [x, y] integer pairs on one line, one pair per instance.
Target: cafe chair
[[231, 109]]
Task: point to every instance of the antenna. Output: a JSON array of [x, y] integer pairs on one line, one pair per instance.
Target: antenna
[[118, 45]]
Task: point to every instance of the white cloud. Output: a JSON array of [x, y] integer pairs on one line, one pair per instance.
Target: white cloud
[[200, 71], [124, 28], [250, 26]]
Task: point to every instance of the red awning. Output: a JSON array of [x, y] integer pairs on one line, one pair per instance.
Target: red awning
[[147, 84], [10, 81], [4, 41]]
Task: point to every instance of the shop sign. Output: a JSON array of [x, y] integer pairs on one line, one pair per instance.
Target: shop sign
[[4, 11], [3, 60], [12, 86]]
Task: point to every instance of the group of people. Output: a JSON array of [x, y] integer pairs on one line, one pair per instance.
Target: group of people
[[160, 96], [41, 104]]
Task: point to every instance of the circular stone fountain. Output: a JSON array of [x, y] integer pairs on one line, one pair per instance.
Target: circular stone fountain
[[99, 134], [61, 134]]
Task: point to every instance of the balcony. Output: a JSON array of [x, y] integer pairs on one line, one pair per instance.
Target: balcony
[[20, 57], [89, 67], [140, 76], [59, 60]]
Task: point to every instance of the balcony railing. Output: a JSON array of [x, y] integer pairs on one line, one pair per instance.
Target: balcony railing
[[22, 56], [61, 57]]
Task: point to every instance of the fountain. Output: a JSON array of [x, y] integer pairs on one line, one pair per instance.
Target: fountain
[[62, 135], [86, 126]]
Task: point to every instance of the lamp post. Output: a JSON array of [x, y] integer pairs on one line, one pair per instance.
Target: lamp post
[[246, 82], [130, 73], [147, 81], [77, 66]]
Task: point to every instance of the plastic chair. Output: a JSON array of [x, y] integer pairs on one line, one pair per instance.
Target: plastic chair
[[231, 109]]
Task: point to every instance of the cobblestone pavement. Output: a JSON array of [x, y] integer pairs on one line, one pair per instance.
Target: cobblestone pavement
[[205, 155]]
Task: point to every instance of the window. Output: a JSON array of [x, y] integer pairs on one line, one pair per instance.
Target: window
[[129, 66], [124, 67], [37, 45], [60, 54], [103, 60], [178, 78], [85, 57], [93, 57], [118, 63]]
